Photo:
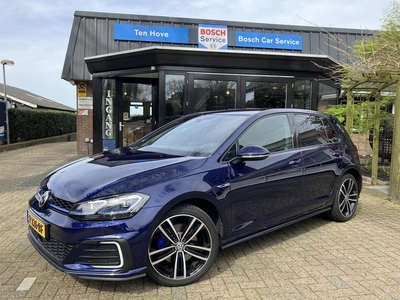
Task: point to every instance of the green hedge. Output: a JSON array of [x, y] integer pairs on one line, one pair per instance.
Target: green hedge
[[35, 124]]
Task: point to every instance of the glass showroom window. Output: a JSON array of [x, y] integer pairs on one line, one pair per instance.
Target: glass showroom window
[[265, 94], [327, 95], [214, 95], [174, 88], [302, 94]]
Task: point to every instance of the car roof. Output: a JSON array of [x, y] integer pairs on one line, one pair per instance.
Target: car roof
[[260, 111]]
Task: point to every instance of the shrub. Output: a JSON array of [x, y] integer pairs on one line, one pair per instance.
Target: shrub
[[363, 116], [34, 124]]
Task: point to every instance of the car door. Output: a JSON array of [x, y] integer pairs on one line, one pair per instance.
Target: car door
[[266, 192], [322, 158]]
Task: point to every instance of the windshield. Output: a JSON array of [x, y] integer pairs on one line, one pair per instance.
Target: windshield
[[198, 136]]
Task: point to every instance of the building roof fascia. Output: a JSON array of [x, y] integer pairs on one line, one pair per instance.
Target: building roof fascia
[[312, 27], [65, 74]]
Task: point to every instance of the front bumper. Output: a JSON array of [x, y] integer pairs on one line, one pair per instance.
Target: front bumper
[[102, 253], [112, 262]]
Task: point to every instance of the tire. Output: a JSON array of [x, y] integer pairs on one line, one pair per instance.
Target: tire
[[346, 199], [182, 247]]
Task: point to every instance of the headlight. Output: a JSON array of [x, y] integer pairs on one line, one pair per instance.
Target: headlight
[[113, 207]]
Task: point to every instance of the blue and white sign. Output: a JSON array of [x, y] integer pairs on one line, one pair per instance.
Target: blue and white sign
[[109, 145], [213, 36], [161, 34], [269, 40]]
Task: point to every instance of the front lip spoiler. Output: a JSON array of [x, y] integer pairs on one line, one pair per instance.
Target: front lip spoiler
[[111, 278], [105, 276]]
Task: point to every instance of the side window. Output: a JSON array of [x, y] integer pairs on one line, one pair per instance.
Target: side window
[[312, 130], [272, 132], [331, 135], [231, 153]]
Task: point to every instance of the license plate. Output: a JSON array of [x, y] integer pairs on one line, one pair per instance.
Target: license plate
[[37, 225]]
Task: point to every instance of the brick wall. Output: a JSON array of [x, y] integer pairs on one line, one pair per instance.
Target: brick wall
[[84, 122]]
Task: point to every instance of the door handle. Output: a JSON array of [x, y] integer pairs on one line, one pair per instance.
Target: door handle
[[337, 153], [295, 162]]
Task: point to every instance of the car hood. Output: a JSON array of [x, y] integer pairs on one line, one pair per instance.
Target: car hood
[[108, 174]]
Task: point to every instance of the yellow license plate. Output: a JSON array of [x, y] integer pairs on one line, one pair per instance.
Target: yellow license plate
[[37, 225]]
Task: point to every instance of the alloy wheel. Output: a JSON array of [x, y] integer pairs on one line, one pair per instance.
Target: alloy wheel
[[180, 247], [348, 197]]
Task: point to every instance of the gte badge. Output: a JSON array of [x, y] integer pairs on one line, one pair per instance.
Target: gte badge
[[213, 36]]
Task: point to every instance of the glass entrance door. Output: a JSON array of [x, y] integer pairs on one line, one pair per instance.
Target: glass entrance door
[[136, 112]]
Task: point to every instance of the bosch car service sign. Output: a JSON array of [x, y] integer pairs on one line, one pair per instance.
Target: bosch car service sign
[[213, 36]]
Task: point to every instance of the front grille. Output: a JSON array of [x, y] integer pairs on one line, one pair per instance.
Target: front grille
[[61, 203], [55, 202], [57, 248], [101, 255]]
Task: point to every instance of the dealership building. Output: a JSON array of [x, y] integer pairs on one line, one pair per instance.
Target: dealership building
[[134, 73]]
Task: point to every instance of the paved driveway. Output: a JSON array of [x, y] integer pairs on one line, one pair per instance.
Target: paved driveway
[[314, 259]]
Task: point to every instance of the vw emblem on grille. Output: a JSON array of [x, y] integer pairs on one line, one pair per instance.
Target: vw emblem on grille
[[44, 198]]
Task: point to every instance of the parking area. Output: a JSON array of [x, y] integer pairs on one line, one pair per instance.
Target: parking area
[[314, 259]]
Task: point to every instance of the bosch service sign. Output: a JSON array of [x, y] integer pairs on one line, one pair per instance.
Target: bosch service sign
[[213, 36]]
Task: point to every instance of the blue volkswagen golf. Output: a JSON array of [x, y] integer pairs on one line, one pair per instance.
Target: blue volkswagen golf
[[165, 205]]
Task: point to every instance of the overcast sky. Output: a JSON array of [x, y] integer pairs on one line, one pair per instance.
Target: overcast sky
[[35, 34]]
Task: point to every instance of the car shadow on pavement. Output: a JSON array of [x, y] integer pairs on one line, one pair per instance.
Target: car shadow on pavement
[[239, 260], [255, 251]]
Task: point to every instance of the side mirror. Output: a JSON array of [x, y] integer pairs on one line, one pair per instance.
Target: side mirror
[[252, 152]]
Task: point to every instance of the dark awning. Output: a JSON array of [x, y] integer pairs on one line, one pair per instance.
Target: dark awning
[[194, 57]]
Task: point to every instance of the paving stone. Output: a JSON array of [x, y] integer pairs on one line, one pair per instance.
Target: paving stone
[[314, 259]]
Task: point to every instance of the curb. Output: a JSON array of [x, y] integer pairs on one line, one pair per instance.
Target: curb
[[71, 137]]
